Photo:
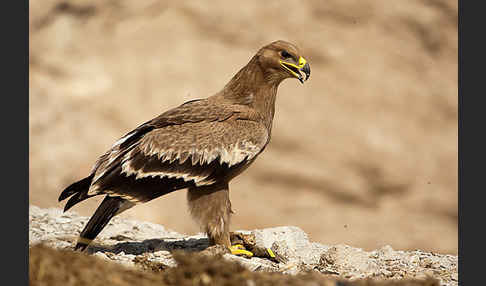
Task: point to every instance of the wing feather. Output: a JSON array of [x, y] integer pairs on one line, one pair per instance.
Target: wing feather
[[165, 152], [194, 144]]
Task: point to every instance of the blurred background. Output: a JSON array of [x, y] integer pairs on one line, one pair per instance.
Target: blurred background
[[365, 153]]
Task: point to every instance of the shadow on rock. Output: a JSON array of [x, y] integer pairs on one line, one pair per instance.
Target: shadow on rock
[[151, 245]]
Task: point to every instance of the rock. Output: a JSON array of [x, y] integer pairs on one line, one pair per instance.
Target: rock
[[134, 243]]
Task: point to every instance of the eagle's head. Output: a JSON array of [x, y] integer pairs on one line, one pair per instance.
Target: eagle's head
[[280, 60]]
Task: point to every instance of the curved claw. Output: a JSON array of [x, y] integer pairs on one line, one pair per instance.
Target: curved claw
[[239, 249]]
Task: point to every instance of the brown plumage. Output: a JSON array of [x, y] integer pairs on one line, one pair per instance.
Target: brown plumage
[[200, 145]]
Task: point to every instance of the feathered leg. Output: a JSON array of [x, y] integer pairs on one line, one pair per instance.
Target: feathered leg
[[211, 207]]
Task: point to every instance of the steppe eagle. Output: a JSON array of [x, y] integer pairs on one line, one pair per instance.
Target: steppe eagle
[[200, 146]]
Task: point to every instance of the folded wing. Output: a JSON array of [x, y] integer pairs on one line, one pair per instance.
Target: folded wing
[[174, 152]]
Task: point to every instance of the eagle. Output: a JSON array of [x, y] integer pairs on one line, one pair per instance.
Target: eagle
[[199, 146]]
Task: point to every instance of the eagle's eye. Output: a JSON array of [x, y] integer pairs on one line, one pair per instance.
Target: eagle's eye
[[285, 54]]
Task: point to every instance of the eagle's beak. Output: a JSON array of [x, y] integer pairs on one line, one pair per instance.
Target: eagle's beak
[[296, 70]]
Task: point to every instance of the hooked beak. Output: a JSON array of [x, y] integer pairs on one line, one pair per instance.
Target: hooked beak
[[296, 70]]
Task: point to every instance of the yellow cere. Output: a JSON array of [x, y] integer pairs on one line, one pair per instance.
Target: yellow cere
[[302, 62]]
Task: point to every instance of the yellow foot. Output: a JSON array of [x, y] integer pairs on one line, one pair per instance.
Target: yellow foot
[[270, 252], [239, 249]]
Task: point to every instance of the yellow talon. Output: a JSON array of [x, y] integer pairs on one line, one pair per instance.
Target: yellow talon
[[239, 249], [270, 252]]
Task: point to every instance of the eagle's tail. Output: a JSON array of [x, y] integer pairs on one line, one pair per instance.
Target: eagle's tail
[[78, 192], [103, 214]]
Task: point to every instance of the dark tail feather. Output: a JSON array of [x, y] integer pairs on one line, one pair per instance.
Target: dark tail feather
[[77, 190], [76, 198], [103, 214]]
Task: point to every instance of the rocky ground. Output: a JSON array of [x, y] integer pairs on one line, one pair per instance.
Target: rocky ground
[[151, 254]]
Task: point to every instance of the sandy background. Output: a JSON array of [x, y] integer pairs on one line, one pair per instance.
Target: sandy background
[[365, 153]]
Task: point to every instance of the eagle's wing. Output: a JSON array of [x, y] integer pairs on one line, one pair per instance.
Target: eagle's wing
[[194, 144]]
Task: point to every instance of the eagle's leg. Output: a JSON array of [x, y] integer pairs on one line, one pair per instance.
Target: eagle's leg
[[211, 207]]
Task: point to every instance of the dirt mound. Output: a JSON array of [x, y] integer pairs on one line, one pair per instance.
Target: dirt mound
[[48, 266]]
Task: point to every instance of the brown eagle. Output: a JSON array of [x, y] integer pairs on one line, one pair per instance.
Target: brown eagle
[[200, 145]]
